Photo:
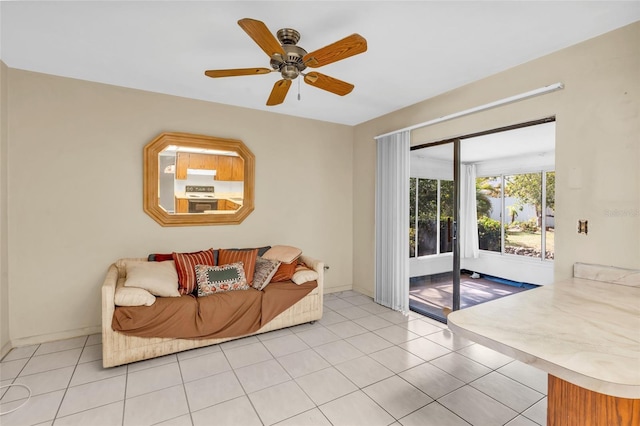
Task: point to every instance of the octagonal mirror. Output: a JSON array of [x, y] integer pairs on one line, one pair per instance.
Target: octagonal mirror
[[198, 180]]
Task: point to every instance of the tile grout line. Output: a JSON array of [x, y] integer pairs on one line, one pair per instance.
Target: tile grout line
[[55, 416], [13, 380], [246, 395], [124, 401], [184, 389], [518, 413]]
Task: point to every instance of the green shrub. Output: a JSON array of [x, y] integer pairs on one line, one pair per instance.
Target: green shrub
[[530, 226], [489, 234]]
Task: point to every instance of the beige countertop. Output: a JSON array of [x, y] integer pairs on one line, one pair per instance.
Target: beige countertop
[[222, 196], [584, 331]]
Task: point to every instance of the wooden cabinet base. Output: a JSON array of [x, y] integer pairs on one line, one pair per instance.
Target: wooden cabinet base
[[571, 405]]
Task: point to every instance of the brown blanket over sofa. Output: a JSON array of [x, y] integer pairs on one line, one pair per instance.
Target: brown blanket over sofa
[[229, 314]]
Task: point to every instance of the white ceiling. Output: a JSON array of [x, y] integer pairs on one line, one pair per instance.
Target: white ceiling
[[416, 49]]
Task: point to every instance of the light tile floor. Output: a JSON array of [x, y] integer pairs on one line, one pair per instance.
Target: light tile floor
[[362, 364]]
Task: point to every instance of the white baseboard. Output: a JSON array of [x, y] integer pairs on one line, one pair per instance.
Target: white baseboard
[[364, 291], [5, 349], [336, 289], [44, 338]]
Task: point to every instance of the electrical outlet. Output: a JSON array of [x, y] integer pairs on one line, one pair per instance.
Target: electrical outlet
[[583, 227]]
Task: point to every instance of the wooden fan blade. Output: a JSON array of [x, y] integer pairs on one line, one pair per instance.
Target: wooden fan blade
[[259, 32], [341, 49], [236, 72], [279, 92], [329, 84]]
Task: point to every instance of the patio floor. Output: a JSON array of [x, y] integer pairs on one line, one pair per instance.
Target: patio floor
[[429, 294]]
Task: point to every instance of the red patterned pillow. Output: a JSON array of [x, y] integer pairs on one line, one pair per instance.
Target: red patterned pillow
[[248, 258], [285, 272], [186, 267]]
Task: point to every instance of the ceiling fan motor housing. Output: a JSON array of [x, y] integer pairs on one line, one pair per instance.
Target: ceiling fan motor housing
[[291, 65]]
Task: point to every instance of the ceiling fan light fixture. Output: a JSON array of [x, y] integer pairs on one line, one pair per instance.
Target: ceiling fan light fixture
[[289, 71]]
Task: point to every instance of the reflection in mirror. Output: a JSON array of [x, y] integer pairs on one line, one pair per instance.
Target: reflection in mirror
[[198, 180], [204, 181]]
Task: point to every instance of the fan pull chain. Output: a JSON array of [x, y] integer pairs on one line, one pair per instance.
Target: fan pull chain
[[298, 89]]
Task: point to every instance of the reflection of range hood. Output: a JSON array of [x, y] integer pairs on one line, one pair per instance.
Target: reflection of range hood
[[202, 172]]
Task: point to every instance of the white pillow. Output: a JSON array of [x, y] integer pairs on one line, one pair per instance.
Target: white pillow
[[158, 278], [304, 275], [284, 254], [133, 296]]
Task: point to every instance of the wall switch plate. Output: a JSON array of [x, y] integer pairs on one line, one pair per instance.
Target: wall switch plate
[[583, 227]]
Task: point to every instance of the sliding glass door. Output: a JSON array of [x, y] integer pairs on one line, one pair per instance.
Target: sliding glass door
[[433, 243], [483, 209]]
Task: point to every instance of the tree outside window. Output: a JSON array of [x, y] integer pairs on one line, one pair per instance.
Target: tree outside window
[[488, 194], [529, 202], [430, 216]]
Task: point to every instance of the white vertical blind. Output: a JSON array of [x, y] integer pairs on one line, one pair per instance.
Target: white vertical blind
[[392, 221]]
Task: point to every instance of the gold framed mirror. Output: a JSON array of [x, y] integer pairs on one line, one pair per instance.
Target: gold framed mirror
[[192, 180]]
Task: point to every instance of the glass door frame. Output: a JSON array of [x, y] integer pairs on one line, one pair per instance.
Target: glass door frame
[[456, 221], [455, 298]]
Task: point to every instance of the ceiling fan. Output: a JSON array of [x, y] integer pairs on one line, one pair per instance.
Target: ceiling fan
[[291, 60]]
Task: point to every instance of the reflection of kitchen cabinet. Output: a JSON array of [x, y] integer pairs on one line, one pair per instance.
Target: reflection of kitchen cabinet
[[237, 172], [230, 168], [203, 161], [227, 205], [182, 205], [182, 164], [185, 160], [225, 167]]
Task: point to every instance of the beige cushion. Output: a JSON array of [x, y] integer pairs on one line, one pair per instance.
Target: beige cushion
[[284, 254], [133, 296], [265, 270], [158, 278], [304, 275]]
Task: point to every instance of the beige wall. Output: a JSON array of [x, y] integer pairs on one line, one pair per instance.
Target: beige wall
[[4, 282], [597, 147], [75, 194]]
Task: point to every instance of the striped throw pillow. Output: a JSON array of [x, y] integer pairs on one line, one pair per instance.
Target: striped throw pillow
[[186, 267], [247, 257]]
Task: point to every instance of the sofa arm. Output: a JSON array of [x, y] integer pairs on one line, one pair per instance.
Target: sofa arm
[[108, 297], [317, 266]]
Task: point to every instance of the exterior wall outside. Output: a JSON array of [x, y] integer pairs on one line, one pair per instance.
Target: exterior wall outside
[[597, 147], [4, 281], [75, 192]]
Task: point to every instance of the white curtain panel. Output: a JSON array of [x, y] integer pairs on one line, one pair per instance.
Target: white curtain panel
[[392, 221], [468, 229]]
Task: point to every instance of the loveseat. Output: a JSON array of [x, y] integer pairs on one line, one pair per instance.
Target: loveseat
[[121, 347]]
